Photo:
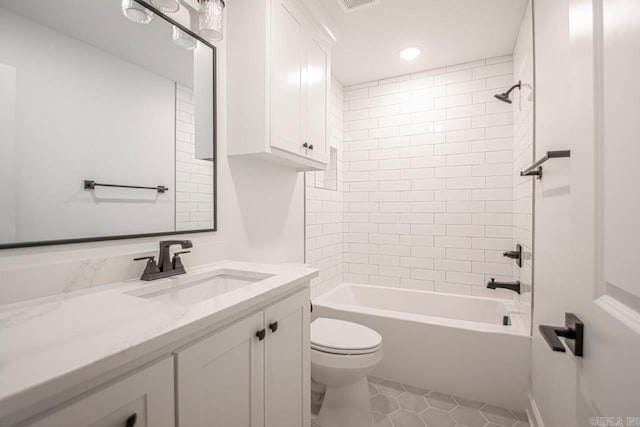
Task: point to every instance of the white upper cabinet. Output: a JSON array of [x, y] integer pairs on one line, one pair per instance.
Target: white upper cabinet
[[318, 96], [278, 75], [288, 72]]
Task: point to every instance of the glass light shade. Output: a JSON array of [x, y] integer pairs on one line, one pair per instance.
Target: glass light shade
[[169, 6], [211, 19], [135, 12], [183, 40]]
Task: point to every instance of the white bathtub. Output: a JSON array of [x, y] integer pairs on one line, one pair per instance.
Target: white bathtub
[[450, 343]]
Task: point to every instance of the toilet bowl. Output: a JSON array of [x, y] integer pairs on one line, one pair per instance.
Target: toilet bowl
[[342, 355]]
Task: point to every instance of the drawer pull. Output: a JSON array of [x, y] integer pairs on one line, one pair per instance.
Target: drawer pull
[[261, 334], [273, 326], [131, 421]]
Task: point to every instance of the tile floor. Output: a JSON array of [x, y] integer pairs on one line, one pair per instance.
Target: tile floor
[[398, 405]]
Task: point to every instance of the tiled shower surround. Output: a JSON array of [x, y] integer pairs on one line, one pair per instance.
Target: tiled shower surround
[[428, 194], [428, 179], [522, 158], [324, 208]]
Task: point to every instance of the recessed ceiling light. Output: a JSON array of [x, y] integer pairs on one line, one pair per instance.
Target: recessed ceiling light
[[409, 53]]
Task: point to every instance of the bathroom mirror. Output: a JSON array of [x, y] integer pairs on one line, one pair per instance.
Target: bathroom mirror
[[107, 122]]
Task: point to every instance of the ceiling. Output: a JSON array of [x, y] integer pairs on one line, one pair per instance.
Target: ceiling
[[448, 32]]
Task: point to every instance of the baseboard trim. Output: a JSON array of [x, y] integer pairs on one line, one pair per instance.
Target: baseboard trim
[[533, 413]]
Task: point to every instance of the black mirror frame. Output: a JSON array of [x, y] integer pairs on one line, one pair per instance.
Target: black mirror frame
[[214, 160]]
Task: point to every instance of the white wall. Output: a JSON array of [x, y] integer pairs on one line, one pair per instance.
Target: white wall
[[7, 149], [324, 209], [522, 158], [428, 179], [260, 218], [82, 114], [554, 375]]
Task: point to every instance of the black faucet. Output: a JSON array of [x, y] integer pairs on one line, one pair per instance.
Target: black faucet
[[164, 259], [512, 286], [166, 267]]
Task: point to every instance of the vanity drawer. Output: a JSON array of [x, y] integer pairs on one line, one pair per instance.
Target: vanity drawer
[[142, 399]]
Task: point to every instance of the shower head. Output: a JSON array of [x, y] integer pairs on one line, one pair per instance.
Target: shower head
[[504, 97]]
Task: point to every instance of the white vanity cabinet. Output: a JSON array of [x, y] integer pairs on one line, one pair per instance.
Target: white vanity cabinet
[[287, 362], [253, 373], [238, 359], [142, 399], [278, 83]]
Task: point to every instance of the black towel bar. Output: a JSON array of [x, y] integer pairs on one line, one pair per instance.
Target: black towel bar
[[536, 170], [91, 185]]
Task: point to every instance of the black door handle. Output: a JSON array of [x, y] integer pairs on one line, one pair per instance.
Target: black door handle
[[261, 334], [273, 326], [131, 421], [572, 332]]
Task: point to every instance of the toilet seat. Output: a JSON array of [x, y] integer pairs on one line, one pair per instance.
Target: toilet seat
[[340, 337]]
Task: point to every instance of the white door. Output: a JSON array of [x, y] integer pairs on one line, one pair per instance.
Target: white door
[[612, 368], [142, 399], [221, 378], [288, 76], [586, 226], [318, 87], [287, 363]]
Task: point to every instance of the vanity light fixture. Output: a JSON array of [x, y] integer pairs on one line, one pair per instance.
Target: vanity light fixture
[[211, 19], [183, 40], [409, 53], [135, 12], [169, 6]]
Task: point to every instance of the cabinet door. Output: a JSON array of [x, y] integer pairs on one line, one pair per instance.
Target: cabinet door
[[318, 93], [220, 379], [288, 69], [146, 395], [287, 363]]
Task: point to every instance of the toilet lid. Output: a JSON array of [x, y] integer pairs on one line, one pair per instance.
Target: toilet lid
[[342, 337]]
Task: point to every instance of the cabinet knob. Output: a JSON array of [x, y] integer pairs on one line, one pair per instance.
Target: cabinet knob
[[131, 421], [261, 334], [305, 145], [273, 326], [311, 147]]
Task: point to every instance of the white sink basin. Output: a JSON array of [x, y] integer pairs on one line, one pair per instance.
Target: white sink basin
[[194, 288]]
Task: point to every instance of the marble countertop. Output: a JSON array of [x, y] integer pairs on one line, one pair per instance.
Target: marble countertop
[[56, 343]]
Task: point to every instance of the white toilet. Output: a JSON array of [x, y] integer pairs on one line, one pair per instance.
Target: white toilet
[[342, 355]]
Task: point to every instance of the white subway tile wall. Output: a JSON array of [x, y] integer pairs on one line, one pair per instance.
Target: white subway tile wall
[[324, 209], [194, 178], [428, 180], [523, 156]]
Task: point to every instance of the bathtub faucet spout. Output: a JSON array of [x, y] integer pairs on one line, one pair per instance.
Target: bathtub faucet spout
[[512, 286]]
